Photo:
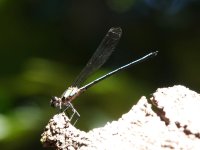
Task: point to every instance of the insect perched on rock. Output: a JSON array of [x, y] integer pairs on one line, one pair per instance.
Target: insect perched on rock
[[99, 57]]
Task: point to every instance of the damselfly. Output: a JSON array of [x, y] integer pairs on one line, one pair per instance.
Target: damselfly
[[99, 57]]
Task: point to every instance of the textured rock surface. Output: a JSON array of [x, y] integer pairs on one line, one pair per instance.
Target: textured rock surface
[[172, 122]]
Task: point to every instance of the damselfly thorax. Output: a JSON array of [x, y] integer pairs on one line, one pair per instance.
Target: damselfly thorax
[[70, 94]]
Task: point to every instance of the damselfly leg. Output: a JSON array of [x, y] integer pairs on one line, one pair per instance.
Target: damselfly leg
[[74, 112]]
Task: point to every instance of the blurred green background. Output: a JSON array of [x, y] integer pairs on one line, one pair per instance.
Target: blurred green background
[[44, 44]]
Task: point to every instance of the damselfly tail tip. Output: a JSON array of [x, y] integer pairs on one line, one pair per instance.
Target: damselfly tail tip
[[154, 53]]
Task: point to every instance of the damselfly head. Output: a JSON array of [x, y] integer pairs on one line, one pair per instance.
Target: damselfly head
[[55, 101]]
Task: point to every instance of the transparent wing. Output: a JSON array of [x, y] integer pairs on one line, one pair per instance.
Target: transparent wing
[[100, 56]]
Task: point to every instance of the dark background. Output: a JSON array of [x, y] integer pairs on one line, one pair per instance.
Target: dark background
[[44, 44]]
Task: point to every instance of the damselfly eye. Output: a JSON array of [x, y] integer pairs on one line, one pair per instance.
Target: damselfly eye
[[55, 101]]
